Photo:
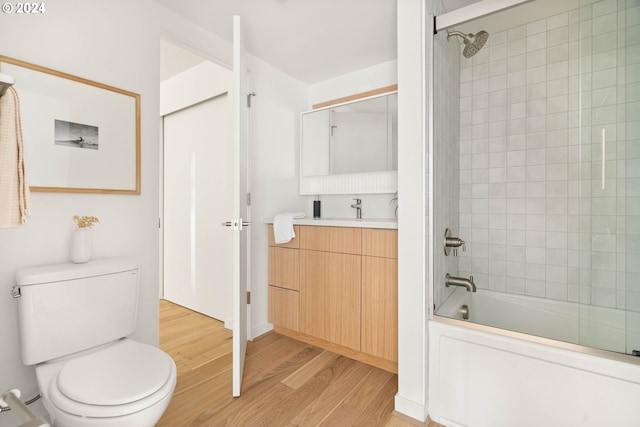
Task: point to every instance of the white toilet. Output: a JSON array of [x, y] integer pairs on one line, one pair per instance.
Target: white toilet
[[74, 320]]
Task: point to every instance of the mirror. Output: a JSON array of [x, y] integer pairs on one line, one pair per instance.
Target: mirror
[[350, 142]]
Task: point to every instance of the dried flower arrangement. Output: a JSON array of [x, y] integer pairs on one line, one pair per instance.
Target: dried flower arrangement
[[85, 221]]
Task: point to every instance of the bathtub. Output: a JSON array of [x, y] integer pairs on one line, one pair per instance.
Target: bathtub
[[482, 374]]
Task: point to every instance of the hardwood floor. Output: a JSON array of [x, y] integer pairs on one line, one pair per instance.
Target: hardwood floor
[[286, 382]]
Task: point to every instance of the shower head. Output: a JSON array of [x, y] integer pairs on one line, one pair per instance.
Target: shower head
[[472, 43]]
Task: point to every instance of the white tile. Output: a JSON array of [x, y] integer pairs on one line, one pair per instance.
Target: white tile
[[497, 144], [498, 67], [536, 27], [537, 74], [516, 79], [557, 155], [497, 98], [498, 51], [604, 41], [557, 70], [556, 240], [536, 173], [605, 23], [516, 174], [557, 53], [499, 37], [515, 269], [557, 36], [556, 121], [536, 42], [480, 71], [556, 188], [535, 272], [537, 107], [497, 83], [557, 223], [557, 86], [557, 21], [535, 288], [537, 156], [536, 124], [556, 172], [517, 142], [480, 86], [537, 91], [536, 189], [498, 129], [516, 47], [536, 205], [517, 33], [516, 63], [604, 60], [536, 223]]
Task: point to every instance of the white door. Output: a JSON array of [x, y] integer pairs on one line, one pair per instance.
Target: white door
[[197, 197], [240, 220]]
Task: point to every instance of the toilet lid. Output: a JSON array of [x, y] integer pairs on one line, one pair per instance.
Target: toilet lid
[[118, 375]]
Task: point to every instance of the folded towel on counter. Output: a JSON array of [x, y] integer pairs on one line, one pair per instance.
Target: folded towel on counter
[[283, 226], [14, 191]]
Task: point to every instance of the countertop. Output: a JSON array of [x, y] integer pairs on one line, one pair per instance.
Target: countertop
[[390, 223]]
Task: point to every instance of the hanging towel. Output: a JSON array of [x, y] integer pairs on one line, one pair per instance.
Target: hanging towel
[[283, 226], [14, 191]]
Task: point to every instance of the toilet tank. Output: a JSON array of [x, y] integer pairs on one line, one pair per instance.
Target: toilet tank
[[66, 308]]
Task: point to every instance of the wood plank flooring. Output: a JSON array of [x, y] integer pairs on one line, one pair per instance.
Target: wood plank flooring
[[286, 382]]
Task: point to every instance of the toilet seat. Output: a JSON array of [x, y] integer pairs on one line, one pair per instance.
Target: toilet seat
[[121, 379]]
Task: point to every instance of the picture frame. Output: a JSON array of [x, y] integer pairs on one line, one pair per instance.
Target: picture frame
[[80, 136]]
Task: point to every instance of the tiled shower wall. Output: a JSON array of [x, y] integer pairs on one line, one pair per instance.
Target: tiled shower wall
[[533, 106]]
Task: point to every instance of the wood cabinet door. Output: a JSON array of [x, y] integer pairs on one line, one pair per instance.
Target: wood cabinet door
[[330, 292], [284, 307], [380, 307]]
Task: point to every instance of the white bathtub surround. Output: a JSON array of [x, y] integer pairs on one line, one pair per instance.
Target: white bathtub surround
[[481, 379]]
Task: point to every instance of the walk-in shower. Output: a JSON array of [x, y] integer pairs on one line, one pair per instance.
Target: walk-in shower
[[535, 164]]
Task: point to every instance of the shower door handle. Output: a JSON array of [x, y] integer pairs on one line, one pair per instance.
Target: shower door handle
[[603, 148]]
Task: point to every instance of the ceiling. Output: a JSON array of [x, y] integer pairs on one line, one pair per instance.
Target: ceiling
[[311, 40]]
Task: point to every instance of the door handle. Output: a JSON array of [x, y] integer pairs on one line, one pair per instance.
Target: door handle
[[236, 224]]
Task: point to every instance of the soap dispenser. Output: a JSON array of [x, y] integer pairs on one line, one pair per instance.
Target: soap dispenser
[[316, 207]]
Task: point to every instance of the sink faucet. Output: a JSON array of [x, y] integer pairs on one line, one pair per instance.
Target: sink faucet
[[460, 281], [358, 207]]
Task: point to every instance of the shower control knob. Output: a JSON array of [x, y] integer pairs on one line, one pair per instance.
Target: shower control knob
[[453, 242]]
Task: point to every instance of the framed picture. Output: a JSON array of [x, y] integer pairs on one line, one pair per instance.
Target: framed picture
[[80, 136]]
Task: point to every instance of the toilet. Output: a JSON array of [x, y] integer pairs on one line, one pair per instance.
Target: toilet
[[74, 322]]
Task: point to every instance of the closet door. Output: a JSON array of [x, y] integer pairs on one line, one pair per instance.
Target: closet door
[[197, 199]]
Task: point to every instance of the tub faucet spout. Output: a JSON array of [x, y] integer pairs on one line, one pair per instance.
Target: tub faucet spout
[[460, 281]]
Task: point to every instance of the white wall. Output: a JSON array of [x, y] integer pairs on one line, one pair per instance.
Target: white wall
[[411, 398], [107, 42]]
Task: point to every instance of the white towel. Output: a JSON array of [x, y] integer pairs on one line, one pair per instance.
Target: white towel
[[283, 226], [14, 191]]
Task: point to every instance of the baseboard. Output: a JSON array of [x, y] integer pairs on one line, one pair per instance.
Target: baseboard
[[411, 409]]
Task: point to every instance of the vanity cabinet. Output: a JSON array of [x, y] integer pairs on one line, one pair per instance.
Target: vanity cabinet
[[336, 288]]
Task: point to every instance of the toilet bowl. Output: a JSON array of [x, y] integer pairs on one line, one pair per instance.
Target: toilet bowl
[[75, 322], [125, 383]]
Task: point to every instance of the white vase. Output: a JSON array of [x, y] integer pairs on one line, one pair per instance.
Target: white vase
[[81, 245]]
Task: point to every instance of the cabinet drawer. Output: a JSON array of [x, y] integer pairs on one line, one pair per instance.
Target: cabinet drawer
[[284, 307], [331, 239], [381, 243], [294, 243], [284, 268]]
